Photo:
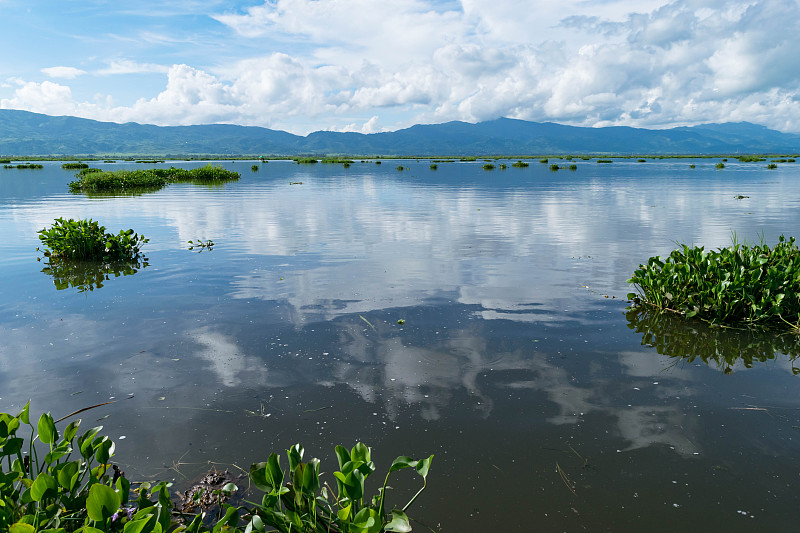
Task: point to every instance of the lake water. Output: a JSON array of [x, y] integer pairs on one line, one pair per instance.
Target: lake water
[[546, 406]]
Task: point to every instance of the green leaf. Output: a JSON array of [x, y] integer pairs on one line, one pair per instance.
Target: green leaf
[[344, 512], [71, 430], [360, 452], [143, 524], [24, 415], [103, 449], [44, 485], [19, 527], [402, 462], [68, 475], [47, 429], [423, 466], [103, 501], [398, 523], [85, 442], [342, 455]]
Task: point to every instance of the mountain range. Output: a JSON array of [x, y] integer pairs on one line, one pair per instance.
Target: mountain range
[[26, 134]]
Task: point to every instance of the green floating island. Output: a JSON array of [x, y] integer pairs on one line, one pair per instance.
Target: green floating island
[[742, 284], [91, 180]]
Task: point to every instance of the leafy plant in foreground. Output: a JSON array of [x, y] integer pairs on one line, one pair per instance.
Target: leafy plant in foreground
[[296, 500], [51, 492], [741, 283], [88, 240]]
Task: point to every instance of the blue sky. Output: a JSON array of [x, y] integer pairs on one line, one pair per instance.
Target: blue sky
[[376, 65]]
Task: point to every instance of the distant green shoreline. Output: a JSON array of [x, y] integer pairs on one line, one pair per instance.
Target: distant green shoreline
[[151, 158]]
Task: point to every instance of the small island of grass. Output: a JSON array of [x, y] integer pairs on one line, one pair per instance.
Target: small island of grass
[[91, 180]]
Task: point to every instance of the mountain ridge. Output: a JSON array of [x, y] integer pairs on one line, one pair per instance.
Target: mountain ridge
[[23, 133]]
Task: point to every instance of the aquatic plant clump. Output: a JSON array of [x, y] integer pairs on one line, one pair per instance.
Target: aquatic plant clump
[[91, 180], [54, 492], [88, 240], [74, 166], [741, 283]]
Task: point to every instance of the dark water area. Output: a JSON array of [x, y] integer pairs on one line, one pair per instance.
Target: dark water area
[[547, 405]]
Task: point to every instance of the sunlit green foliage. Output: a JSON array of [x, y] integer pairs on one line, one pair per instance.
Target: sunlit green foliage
[[88, 240], [719, 166], [488, 166], [55, 493], [741, 283], [74, 166], [520, 164]]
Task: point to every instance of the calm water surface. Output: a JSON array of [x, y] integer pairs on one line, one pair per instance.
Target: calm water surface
[[516, 354]]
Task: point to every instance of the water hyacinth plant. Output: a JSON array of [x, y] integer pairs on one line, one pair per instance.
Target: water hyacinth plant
[[88, 240], [43, 489], [752, 284], [297, 500]]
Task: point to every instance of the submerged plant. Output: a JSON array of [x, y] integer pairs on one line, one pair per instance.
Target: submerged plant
[[740, 283], [88, 240]]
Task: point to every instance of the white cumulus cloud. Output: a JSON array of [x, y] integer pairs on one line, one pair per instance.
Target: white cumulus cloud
[[352, 64], [66, 73]]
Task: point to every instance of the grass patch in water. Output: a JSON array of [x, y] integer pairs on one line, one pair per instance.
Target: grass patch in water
[[91, 181], [746, 284], [74, 166]]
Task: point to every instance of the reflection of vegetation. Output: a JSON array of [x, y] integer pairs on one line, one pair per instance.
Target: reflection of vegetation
[[125, 180], [741, 283], [88, 275], [671, 335]]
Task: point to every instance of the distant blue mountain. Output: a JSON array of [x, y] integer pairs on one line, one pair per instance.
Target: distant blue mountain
[[31, 134]]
